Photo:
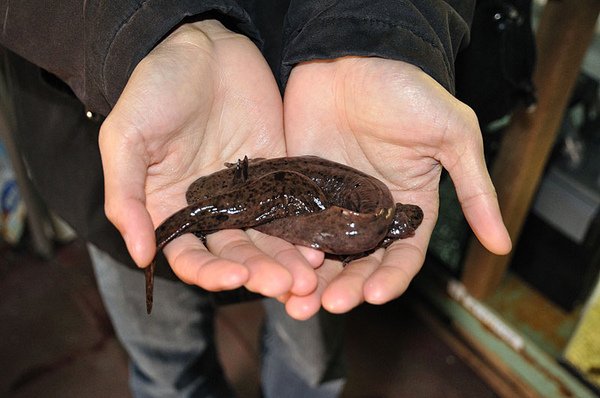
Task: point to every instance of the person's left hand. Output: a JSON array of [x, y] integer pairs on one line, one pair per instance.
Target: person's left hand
[[391, 120]]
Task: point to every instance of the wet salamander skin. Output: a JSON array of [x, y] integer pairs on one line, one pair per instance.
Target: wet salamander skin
[[305, 200]]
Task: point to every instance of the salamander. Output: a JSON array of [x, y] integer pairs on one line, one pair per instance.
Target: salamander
[[305, 200]]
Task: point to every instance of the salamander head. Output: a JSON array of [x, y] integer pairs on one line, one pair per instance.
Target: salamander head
[[406, 220]]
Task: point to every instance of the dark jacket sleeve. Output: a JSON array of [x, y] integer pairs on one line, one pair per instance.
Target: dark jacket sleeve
[[425, 33], [94, 45]]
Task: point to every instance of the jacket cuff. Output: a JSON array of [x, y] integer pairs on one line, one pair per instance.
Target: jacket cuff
[[111, 60], [428, 37]]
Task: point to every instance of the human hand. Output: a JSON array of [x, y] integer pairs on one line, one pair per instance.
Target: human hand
[[202, 97], [391, 120]]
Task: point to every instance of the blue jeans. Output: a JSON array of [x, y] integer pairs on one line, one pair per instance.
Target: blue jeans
[[173, 353]]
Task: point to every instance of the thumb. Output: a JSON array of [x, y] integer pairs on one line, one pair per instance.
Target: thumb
[[465, 163], [125, 165]]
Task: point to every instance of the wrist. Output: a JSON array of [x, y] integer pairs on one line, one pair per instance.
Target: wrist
[[195, 33], [208, 27]]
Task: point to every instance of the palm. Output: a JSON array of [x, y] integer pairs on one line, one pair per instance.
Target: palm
[[391, 120], [218, 115]]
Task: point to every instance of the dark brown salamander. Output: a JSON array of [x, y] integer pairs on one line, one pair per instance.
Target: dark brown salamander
[[305, 200]]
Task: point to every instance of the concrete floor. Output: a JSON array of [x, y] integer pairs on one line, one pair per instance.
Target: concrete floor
[[56, 340]]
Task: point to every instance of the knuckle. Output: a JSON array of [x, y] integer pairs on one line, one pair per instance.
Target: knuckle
[[112, 211]]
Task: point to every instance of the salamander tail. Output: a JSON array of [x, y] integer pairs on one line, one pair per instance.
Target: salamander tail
[[149, 274]]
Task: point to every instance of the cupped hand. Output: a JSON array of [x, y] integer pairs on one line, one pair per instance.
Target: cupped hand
[[202, 97], [391, 120]]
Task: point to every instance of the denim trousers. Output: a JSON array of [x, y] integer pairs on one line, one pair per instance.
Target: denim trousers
[[172, 352]]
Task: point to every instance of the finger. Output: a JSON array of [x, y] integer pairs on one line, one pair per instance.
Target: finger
[[266, 276], [400, 263], [304, 279], [346, 291], [303, 307], [124, 166], [313, 256], [483, 214], [466, 165], [195, 265], [480, 206]]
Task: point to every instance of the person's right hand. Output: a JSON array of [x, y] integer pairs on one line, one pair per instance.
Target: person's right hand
[[202, 97]]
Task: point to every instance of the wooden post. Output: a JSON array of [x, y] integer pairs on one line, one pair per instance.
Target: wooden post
[[564, 34]]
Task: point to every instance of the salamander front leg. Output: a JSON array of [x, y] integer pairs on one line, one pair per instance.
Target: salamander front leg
[[202, 236], [349, 258]]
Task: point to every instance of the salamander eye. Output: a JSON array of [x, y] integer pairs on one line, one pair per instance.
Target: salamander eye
[[222, 217]]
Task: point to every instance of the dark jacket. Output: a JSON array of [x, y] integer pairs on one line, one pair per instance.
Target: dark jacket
[[94, 45], [75, 56]]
